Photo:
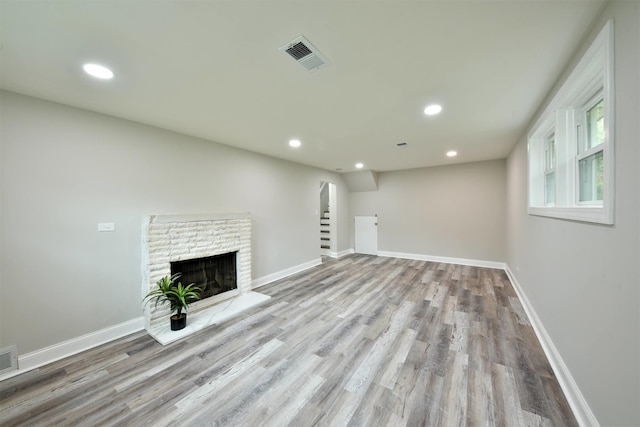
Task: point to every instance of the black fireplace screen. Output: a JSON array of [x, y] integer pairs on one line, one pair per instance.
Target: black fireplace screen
[[214, 274]]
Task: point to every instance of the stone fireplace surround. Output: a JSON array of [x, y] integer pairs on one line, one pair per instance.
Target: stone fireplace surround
[[169, 238]]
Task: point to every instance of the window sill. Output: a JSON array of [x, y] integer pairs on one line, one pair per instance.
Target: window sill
[[598, 215]]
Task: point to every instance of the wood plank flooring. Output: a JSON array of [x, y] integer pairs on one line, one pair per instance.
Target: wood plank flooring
[[359, 341]]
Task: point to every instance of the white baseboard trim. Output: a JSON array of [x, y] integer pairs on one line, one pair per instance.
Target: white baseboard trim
[[46, 355], [256, 283], [578, 403], [343, 253], [340, 254], [446, 260]]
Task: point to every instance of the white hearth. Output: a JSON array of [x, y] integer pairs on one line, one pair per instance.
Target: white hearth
[[170, 238]]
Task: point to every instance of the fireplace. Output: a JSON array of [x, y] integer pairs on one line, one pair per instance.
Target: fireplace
[[213, 274], [211, 250]]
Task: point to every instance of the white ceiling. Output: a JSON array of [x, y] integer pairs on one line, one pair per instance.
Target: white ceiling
[[212, 69]]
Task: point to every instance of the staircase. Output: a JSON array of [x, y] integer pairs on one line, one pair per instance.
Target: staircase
[[325, 234]]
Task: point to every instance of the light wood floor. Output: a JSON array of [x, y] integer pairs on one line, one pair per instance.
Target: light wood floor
[[361, 341]]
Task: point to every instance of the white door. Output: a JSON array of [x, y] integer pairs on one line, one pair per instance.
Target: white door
[[366, 235]]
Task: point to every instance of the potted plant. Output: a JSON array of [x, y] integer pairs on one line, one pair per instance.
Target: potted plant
[[178, 297]]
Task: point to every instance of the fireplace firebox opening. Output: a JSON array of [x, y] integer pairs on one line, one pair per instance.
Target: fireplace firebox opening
[[213, 275]]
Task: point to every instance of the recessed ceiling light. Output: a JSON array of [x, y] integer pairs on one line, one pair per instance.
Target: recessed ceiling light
[[295, 143], [432, 109], [359, 165], [98, 71], [452, 153]]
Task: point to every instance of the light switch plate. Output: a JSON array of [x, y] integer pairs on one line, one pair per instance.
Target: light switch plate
[[106, 226]]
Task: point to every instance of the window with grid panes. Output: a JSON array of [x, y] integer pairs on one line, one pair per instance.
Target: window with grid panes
[[571, 145]]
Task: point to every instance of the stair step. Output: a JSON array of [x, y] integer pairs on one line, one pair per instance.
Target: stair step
[[325, 230]]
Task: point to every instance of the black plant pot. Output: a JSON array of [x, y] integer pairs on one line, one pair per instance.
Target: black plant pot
[[178, 322]]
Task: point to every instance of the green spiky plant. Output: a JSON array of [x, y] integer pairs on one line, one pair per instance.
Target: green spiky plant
[[178, 296], [182, 296]]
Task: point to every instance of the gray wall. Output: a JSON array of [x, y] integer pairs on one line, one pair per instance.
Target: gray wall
[[451, 211], [583, 279], [64, 170], [1, 210]]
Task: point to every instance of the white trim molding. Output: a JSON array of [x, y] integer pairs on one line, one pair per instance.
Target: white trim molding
[[256, 283], [50, 354], [578, 403], [344, 253], [446, 260], [340, 254]]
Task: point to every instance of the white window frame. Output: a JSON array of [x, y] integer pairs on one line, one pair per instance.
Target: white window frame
[[590, 81], [549, 166]]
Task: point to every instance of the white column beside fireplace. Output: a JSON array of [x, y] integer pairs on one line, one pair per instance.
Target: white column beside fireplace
[[170, 238]]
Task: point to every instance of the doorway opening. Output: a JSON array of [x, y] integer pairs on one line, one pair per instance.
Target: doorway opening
[[328, 220]]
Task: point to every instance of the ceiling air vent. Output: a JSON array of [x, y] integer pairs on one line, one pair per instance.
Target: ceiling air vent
[[305, 53]]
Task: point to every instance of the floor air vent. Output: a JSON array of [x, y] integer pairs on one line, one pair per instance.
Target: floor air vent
[[8, 359], [305, 54]]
